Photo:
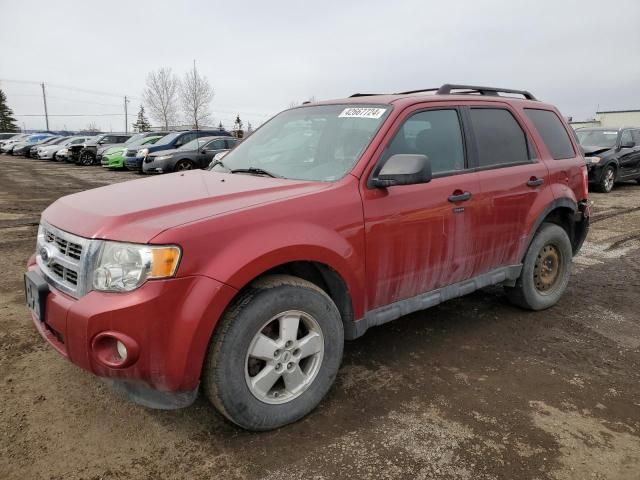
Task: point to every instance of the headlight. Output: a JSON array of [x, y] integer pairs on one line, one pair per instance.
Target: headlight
[[592, 160], [125, 266], [63, 151], [163, 157], [142, 152]]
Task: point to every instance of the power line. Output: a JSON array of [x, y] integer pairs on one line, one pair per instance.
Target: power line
[[71, 115], [65, 87]]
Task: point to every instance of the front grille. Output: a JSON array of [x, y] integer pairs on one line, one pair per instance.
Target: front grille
[[131, 153], [67, 248], [66, 259]]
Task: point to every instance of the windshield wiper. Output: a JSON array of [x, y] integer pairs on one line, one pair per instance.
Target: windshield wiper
[[255, 171]]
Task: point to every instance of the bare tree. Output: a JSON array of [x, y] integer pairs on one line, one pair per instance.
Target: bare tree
[[161, 96], [197, 94]]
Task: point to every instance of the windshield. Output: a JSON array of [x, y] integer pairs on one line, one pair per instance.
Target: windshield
[[318, 143], [136, 140], [169, 138], [597, 138], [195, 144]]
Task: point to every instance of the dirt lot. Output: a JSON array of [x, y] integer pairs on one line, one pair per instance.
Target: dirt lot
[[473, 389]]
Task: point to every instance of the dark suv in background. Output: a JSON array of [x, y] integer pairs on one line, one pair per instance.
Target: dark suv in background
[[612, 155], [172, 141]]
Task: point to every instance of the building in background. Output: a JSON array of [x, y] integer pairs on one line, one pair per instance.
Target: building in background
[[611, 118]]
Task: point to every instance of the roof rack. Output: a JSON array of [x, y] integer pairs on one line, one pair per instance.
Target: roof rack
[[447, 88], [491, 91]]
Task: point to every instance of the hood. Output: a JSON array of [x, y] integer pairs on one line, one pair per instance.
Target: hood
[[110, 150], [590, 150], [170, 151], [138, 210]]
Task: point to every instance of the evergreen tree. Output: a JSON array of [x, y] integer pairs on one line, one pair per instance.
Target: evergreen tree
[[142, 124], [237, 128], [220, 126], [7, 121]]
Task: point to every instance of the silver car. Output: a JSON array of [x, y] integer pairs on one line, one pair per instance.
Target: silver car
[[48, 152]]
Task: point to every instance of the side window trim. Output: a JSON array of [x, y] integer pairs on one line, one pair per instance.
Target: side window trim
[[458, 109], [534, 156]]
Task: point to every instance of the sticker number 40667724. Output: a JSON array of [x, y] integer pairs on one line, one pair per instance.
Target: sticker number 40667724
[[362, 112]]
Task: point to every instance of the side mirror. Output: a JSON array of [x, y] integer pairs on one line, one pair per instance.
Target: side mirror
[[403, 169], [203, 151]]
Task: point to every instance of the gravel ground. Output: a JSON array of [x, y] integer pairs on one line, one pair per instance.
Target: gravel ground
[[472, 389]]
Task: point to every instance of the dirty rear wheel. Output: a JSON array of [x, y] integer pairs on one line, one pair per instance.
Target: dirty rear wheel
[[545, 271], [275, 353]]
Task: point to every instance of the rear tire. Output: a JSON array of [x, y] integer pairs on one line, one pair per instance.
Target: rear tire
[[264, 369], [545, 271], [607, 180]]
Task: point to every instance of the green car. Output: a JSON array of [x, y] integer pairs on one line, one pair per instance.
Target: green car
[[114, 157]]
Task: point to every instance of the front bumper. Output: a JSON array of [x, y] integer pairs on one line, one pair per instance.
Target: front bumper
[[152, 165], [170, 321], [112, 162], [134, 163]]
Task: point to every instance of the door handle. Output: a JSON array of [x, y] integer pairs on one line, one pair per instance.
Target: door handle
[[535, 182], [459, 197]]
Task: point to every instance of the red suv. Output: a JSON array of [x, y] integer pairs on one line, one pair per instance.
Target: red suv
[[333, 217]]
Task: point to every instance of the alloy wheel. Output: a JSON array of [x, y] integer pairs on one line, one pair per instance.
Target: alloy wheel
[[284, 357]]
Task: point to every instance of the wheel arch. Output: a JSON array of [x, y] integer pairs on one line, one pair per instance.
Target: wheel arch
[[562, 212]]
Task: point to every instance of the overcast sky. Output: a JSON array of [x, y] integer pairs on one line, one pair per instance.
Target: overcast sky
[[260, 56]]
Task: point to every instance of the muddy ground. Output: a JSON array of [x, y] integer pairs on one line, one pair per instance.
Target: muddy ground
[[473, 389]]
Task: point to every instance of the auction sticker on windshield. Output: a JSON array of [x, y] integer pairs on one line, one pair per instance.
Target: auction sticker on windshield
[[358, 112]]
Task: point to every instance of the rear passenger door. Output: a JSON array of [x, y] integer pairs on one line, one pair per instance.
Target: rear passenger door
[[512, 179], [420, 237]]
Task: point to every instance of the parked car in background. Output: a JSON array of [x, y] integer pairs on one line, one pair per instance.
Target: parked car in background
[[7, 144], [7, 135], [330, 219], [114, 157], [23, 147], [86, 154], [612, 155], [133, 139], [171, 141], [50, 152], [33, 151], [198, 153]]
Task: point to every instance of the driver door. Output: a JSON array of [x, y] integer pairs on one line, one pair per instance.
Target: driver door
[[420, 237]]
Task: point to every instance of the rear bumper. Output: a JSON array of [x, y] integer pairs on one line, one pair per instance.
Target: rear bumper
[[168, 322], [581, 225]]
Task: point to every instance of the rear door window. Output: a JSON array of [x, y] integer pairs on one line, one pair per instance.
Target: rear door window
[[499, 138], [552, 132]]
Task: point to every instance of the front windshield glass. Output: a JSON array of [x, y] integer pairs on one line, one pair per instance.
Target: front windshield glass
[[317, 143], [133, 139], [195, 144], [169, 138], [597, 138], [137, 141]]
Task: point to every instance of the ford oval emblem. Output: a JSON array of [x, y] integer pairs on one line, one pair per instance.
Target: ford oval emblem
[[46, 254]]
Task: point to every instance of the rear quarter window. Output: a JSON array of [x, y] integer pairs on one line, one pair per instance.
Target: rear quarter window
[[552, 132]]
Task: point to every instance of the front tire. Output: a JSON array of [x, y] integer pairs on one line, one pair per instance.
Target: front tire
[[183, 165], [607, 180], [545, 271], [275, 354], [86, 159]]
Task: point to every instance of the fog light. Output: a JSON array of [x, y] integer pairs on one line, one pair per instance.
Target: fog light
[[122, 350]]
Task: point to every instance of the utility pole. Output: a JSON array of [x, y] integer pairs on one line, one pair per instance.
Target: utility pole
[[44, 98], [126, 119]]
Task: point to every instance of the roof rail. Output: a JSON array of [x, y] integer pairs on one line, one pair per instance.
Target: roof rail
[[491, 91], [448, 87]]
